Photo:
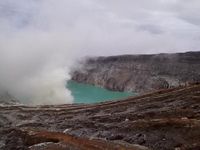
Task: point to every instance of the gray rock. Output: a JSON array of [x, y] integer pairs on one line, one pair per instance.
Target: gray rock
[[140, 73]]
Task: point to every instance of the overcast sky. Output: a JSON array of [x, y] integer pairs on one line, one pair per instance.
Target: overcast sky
[[106, 27], [39, 39]]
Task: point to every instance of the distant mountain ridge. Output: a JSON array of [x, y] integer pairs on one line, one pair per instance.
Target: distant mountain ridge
[[140, 73]]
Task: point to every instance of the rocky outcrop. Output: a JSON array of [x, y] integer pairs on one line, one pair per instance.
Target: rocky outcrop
[[140, 73], [23, 139], [163, 120]]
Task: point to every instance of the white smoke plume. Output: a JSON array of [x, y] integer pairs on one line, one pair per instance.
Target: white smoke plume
[[33, 69], [34, 59]]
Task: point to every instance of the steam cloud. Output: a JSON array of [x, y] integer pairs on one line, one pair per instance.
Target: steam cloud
[[40, 39], [33, 69]]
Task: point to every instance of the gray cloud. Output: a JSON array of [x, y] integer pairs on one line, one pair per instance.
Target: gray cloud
[[150, 28], [98, 25], [40, 39]]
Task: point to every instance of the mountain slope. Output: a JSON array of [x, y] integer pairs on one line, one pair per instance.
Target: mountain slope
[[163, 120]]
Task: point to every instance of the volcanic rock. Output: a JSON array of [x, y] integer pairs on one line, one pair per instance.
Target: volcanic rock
[[140, 73], [162, 120]]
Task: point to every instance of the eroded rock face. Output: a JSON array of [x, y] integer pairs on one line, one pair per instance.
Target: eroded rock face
[[163, 120], [140, 73]]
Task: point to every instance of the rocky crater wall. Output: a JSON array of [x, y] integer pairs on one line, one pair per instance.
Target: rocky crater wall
[[140, 73]]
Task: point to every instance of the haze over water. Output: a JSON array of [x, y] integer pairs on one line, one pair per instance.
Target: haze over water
[[85, 93]]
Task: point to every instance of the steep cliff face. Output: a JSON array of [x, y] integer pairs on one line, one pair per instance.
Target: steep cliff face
[[140, 73]]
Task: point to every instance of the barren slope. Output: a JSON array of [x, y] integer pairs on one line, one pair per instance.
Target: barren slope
[[163, 120]]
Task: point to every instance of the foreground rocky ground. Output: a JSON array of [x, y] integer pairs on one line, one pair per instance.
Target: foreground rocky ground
[[140, 73], [163, 120]]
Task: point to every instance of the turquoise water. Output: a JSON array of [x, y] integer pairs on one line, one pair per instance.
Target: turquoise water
[[85, 93]]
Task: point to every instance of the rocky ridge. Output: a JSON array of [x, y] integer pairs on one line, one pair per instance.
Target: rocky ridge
[[140, 73]]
